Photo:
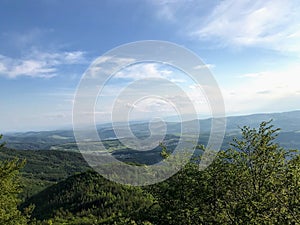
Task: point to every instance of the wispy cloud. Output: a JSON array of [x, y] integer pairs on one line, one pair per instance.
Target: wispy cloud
[[205, 66], [141, 71], [106, 64], [251, 23], [178, 10], [271, 24], [39, 64], [28, 39], [151, 105], [249, 75], [168, 8], [273, 90]]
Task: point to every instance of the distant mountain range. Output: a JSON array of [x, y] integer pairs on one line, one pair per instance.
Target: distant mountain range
[[289, 137]]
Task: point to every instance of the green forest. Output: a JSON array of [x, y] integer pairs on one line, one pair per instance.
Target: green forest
[[254, 181]]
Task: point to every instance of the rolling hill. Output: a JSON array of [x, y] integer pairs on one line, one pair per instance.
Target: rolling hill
[[64, 140]]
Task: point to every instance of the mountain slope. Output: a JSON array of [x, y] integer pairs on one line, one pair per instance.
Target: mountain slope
[[44, 168], [89, 194]]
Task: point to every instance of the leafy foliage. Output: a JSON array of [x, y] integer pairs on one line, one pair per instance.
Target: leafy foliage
[[9, 190], [254, 181], [90, 196], [44, 168]]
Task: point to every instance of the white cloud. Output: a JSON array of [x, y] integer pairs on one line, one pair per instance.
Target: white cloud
[[152, 104], [251, 75], [145, 70], [107, 65], [58, 58], [38, 64], [271, 24], [182, 11], [270, 90], [168, 8], [205, 66], [27, 39], [135, 92]]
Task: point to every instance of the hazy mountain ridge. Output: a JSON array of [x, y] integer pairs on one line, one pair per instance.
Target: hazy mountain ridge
[[289, 122]]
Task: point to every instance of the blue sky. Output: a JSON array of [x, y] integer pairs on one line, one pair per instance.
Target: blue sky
[[251, 47]]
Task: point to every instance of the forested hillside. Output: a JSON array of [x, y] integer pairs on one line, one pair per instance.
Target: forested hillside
[[44, 168], [254, 181]]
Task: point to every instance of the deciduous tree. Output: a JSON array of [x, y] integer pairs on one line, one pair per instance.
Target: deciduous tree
[[9, 190]]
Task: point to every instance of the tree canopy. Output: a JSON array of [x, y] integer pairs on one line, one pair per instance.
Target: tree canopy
[[9, 190], [254, 181]]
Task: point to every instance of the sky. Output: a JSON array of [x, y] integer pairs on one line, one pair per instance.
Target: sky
[[252, 48]]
